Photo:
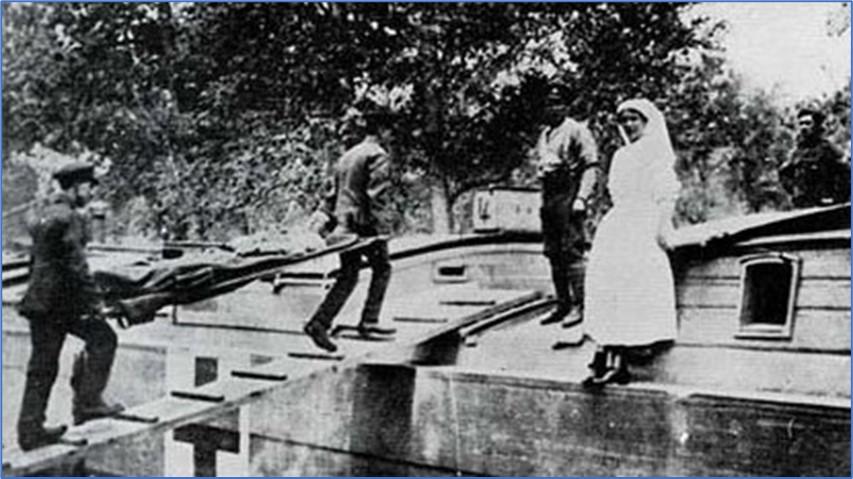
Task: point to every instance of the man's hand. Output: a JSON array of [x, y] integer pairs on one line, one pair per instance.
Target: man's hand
[[99, 312], [318, 223], [665, 232]]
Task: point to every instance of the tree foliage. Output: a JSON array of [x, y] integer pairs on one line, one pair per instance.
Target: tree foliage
[[226, 117]]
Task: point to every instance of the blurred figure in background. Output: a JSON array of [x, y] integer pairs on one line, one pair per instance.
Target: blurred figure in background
[[817, 174]]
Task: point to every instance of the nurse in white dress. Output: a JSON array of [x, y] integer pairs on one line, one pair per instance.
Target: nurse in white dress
[[630, 298]]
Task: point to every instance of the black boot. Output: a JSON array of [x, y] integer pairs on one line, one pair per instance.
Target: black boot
[[320, 336], [597, 367], [615, 371], [560, 278], [576, 283], [97, 410], [31, 432], [39, 436], [574, 317], [88, 380], [369, 329], [556, 316]]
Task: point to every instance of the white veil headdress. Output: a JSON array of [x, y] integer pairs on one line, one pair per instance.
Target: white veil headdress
[[655, 139], [654, 144]]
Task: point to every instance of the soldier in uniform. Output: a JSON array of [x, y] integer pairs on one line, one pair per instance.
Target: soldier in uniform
[[357, 202], [568, 168], [816, 173], [62, 299]]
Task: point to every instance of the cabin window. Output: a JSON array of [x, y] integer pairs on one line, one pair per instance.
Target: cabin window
[[768, 294], [450, 273], [206, 370]]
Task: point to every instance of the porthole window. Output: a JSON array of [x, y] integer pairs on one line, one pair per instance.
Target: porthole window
[[768, 295]]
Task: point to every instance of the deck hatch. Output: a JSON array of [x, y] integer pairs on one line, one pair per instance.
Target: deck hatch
[[768, 295]]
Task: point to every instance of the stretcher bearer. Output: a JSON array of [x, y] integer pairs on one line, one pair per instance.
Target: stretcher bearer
[[568, 167], [358, 202], [62, 299]]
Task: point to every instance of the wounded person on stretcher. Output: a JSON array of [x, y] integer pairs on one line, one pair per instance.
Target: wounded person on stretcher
[[137, 291]]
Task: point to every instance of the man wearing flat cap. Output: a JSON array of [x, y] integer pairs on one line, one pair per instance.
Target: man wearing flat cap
[[62, 299], [568, 168]]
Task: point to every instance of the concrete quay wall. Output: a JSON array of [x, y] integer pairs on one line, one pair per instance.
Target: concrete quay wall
[[397, 420]]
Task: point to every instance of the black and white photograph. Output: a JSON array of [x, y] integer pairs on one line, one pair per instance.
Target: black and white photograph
[[426, 239]]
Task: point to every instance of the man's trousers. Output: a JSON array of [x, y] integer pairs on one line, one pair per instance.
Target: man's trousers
[[377, 258], [90, 373]]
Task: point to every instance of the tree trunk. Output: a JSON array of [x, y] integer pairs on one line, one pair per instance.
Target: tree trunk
[[441, 215]]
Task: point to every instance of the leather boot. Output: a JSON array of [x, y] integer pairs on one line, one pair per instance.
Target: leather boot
[[97, 410], [367, 330], [574, 317], [616, 370], [576, 283], [555, 317], [597, 367], [39, 436], [88, 380], [320, 336]]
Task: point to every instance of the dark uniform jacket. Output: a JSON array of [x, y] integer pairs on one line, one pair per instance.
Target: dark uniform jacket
[[60, 283], [816, 174], [359, 196]]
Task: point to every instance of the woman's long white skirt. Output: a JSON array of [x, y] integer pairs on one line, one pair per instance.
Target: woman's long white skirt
[[630, 293]]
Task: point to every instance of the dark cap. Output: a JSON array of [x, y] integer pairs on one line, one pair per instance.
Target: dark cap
[[816, 114], [74, 173], [367, 115], [558, 95]]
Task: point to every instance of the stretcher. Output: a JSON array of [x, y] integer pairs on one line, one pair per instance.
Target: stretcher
[[135, 297]]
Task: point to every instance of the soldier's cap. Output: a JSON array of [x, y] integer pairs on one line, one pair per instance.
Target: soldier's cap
[[558, 95], [74, 173], [816, 114]]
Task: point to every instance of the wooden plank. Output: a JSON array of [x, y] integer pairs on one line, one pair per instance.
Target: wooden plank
[[315, 355], [467, 302], [447, 303], [15, 276], [416, 319], [830, 294], [198, 396], [816, 263], [814, 330], [433, 314], [238, 373], [498, 319]]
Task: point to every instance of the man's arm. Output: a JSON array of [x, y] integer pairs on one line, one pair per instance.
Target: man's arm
[[330, 195], [77, 266], [588, 153], [380, 177], [323, 220]]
